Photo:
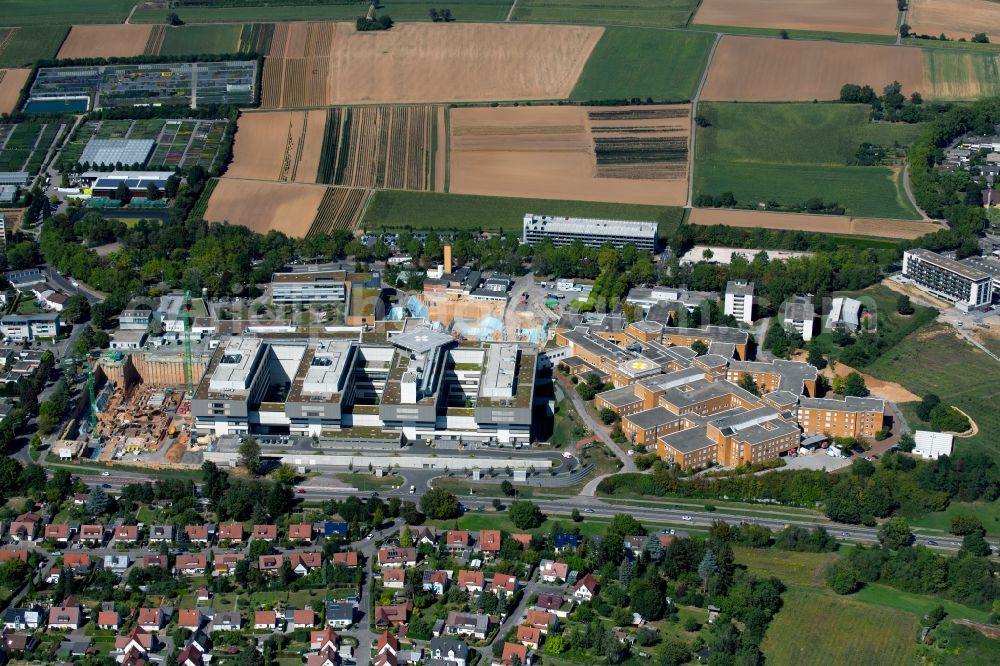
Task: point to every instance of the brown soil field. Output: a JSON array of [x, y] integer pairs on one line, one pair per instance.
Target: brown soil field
[[278, 145], [826, 224], [262, 206], [11, 82], [875, 17], [321, 64], [105, 41], [886, 390], [441, 154], [549, 152], [386, 147], [754, 69], [955, 18], [12, 218]]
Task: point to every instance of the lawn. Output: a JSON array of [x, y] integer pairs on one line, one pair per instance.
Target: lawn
[[368, 482], [805, 569], [988, 512], [447, 212], [62, 12], [653, 13], [917, 604], [628, 63], [956, 74], [820, 628], [31, 44], [935, 360], [963, 646], [195, 39], [794, 152], [400, 10]]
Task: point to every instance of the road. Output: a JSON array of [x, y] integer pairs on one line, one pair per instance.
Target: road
[[628, 465], [694, 114]]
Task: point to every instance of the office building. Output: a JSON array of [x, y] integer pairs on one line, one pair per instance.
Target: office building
[[29, 327], [964, 285], [592, 233], [309, 287], [739, 300]]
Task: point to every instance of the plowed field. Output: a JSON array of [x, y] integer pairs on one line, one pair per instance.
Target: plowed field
[[262, 206], [105, 41], [827, 224], [876, 17], [11, 82], [280, 145], [954, 18]]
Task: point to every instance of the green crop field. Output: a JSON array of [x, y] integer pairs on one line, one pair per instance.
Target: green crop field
[[31, 44], [852, 37], [819, 628], [956, 74], [959, 373], [62, 12], [657, 13], [194, 39], [400, 10], [627, 63], [394, 209], [794, 152]]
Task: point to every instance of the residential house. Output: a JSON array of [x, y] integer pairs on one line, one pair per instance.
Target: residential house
[[553, 572], [58, 532], [339, 615], [544, 621], [265, 532], [394, 579], [225, 563], [470, 581], [564, 541], [20, 619], [324, 639], [458, 543], [387, 644], [231, 532], [522, 538], [199, 533], [396, 558], [514, 653], [92, 534], [200, 641], [393, 616], [54, 574], [265, 619], [476, 625], [300, 532], [17, 644], [191, 656], [65, 617], [300, 618], [347, 558], [194, 564], [153, 619], [155, 561], [25, 527], [529, 636], [202, 595], [585, 588], [109, 620], [553, 603], [228, 621], [161, 534], [8, 554], [331, 529], [422, 534], [303, 563], [448, 652], [503, 585], [270, 563], [77, 563], [189, 618], [634, 546], [489, 543], [435, 581], [134, 647], [126, 534], [116, 563]]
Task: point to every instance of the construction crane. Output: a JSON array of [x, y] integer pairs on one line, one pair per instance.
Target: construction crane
[[188, 361], [91, 362]]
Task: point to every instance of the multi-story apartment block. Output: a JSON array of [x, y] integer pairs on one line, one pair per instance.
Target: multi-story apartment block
[[852, 417], [739, 300], [963, 284], [592, 233]]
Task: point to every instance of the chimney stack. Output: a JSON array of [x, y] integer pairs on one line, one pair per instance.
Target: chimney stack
[[447, 259]]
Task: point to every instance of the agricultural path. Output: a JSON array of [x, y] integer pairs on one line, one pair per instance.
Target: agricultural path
[[510, 12], [694, 114], [129, 17], [913, 200]]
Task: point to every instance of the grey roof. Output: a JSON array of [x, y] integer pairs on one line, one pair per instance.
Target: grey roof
[[755, 425], [782, 397], [701, 390], [421, 339], [340, 611], [652, 418], [739, 288], [688, 440], [844, 310], [799, 310], [593, 344], [446, 645], [961, 268], [848, 404], [620, 397], [710, 333], [712, 361], [24, 318], [112, 151], [727, 349]]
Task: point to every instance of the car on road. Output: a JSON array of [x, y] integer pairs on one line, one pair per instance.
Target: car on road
[[588, 511], [105, 485], [300, 491], [687, 518], [105, 473], [932, 542], [413, 489], [374, 494], [844, 534], [370, 536]]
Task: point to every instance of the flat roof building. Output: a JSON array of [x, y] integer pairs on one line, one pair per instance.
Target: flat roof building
[[309, 287], [739, 300], [964, 285], [932, 445], [109, 152], [798, 317], [590, 232]]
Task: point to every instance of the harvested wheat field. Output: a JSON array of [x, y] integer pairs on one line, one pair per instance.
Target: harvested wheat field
[[105, 41], [616, 154], [280, 145], [262, 206], [11, 82], [875, 17], [825, 224], [322, 64], [954, 18], [753, 69]]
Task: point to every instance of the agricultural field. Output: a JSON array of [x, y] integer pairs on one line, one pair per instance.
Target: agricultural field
[[33, 12], [618, 67], [105, 41], [379, 147], [954, 18], [256, 38], [391, 209], [340, 208], [956, 74], [23, 146], [841, 225], [184, 143], [653, 13], [793, 152], [285, 10], [857, 16], [324, 64], [754, 69], [944, 369], [11, 83], [22, 47], [278, 146], [195, 39], [819, 628], [263, 206], [633, 155]]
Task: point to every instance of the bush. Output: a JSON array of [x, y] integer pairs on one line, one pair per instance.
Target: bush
[[843, 578], [948, 419]]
